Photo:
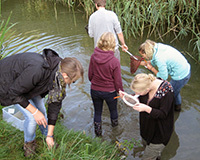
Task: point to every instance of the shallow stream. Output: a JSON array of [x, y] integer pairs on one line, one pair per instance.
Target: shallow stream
[[42, 24]]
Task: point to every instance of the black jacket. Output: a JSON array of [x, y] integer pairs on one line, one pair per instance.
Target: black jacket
[[157, 127], [26, 75]]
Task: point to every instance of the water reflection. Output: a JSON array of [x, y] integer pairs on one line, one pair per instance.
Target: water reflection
[[43, 25], [171, 148]]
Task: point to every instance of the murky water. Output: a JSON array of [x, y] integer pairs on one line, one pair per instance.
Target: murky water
[[46, 25]]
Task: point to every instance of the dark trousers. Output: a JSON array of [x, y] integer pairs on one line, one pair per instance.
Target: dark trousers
[[98, 98]]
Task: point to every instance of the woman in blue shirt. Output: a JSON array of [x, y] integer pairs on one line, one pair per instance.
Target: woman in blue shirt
[[169, 62]]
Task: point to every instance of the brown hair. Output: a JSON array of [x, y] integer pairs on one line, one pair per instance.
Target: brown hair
[[73, 68], [107, 42], [141, 82], [100, 3], [147, 48]]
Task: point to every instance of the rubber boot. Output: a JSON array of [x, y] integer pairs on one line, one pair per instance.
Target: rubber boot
[[158, 158], [114, 122], [178, 108], [29, 148], [98, 129]]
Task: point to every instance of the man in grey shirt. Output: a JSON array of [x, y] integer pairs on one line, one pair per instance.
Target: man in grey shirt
[[102, 21]]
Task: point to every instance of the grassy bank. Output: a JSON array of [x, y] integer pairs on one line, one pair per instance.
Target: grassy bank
[[72, 145]]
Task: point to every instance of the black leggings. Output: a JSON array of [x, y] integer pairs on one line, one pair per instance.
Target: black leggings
[[98, 97]]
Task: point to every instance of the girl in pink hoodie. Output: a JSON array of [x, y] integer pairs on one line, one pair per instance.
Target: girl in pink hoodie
[[105, 77]]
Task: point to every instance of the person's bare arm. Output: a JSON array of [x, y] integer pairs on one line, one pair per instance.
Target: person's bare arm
[[49, 139], [142, 108], [39, 117], [148, 65], [151, 68], [121, 38]]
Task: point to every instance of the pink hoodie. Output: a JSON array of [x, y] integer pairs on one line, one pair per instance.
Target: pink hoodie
[[105, 71]]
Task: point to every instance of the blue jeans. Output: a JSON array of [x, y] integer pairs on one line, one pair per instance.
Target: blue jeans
[[98, 98], [30, 123], [177, 85]]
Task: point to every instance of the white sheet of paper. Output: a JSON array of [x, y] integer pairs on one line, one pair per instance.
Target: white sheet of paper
[[11, 110]]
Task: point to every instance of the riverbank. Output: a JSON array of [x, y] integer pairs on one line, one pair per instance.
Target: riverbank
[[72, 145]]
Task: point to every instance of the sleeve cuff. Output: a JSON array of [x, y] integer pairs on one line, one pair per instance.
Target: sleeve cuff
[[24, 104], [51, 122]]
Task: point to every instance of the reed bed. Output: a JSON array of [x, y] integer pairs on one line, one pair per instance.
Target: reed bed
[[152, 17], [158, 18]]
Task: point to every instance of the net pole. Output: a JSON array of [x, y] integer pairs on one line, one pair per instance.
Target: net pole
[[135, 57], [129, 53]]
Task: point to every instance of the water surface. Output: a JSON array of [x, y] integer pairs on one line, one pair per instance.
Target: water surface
[[42, 24]]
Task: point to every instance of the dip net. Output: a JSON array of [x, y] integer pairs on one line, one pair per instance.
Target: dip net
[[134, 63]]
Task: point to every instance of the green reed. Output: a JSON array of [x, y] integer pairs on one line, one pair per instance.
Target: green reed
[[0, 8], [157, 18], [154, 17], [5, 35]]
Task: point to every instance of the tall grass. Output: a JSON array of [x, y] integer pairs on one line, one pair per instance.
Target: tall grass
[[154, 17], [5, 35], [0, 8], [72, 145]]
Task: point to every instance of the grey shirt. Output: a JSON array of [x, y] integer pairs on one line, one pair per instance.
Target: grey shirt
[[102, 21]]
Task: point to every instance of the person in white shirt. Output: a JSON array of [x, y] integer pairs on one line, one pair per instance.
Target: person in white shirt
[[102, 21]]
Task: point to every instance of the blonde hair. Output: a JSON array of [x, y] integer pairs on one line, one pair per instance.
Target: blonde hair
[[147, 48], [141, 82], [73, 68], [107, 42]]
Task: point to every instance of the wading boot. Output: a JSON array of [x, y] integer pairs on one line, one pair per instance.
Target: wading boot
[[158, 158], [97, 129], [177, 108], [29, 148], [114, 122]]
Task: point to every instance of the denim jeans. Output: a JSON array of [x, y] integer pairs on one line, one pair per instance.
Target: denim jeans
[[30, 123], [177, 85], [98, 98]]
